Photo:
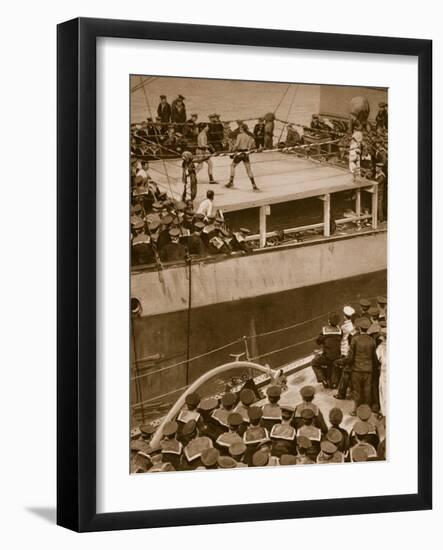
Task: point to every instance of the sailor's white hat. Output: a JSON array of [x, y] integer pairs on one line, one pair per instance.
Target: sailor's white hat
[[349, 311]]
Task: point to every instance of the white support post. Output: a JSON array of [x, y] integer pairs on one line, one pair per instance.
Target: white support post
[[326, 214], [358, 202], [263, 213], [374, 206]]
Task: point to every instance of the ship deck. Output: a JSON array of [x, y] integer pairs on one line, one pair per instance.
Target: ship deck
[[281, 177]]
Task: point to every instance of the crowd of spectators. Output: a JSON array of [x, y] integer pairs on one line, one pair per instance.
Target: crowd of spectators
[[238, 429], [167, 230], [353, 355]]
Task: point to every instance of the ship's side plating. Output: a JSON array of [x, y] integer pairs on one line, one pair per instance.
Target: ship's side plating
[[245, 296]]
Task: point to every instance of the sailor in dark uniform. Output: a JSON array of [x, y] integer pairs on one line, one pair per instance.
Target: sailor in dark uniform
[[364, 307], [206, 407], [336, 437], [307, 394], [364, 414], [283, 434], [260, 459], [330, 340], [137, 225], [164, 111], [190, 411], [213, 131], [239, 242], [226, 439], [363, 359], [374, 328], [335, 418], [178, 113], [381, 120], [259, 133], [255, 435], [164, 237], [211, 239], [310, 431], [141, 461], [147, 431], [237, 452], [382, 192], [173, 251], [171, 448], [362, 447], [142, 252], [196, 245], [271, 410], [209, 458], [219, 133], [189, 178], [192, 127], [303, 448], [329, 454], [221, 414], [188, 217], [382, 310], [193, 451], [247, 397]]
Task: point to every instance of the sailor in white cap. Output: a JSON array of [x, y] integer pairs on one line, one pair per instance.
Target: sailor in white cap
[[347, 330]]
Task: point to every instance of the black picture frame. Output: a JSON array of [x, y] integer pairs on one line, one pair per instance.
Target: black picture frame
[[76, 264]]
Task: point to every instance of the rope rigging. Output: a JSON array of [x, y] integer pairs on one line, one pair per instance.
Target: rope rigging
[[240, 340]]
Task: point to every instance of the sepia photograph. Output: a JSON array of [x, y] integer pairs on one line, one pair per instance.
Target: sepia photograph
[[258, 220]]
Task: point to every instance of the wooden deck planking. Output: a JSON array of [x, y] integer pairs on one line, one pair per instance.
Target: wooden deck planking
[[280, 177]]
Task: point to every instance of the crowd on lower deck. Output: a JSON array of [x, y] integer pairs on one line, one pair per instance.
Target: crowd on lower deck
[[237, 429]]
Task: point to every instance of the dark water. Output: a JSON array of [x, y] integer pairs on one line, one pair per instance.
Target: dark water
[[216, 325]]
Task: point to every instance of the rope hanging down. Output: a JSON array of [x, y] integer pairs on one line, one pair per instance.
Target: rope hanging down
[[188, 255]]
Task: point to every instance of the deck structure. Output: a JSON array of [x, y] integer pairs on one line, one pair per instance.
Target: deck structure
[[281, 177]]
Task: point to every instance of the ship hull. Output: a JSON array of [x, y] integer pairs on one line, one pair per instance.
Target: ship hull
[[244, 296]]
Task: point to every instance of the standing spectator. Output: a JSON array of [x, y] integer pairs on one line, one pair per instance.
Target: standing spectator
[[362, 358], [218, 133], [259, 133], [382, 205], [381, 120], [382, 359], [164, 111], [347, 330], [269, 134], [189, 178], [178, 113], [330, 341]]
